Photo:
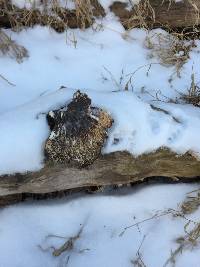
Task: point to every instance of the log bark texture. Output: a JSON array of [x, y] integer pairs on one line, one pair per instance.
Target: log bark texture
[[112, 169], [152, 13], [159, 13], [59, 18]]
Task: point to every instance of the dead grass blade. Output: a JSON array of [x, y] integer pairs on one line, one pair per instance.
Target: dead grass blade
[[51, 13], [191, 203], [193, 95], [6, 80], [187, 242], [67, 246], [169, 49], [155, 216], [11, 48], [139, 262], [142, 10]]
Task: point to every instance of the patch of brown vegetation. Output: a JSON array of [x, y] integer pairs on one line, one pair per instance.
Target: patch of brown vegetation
[[191, 203], [169, 49], [11, 48], [157, 13], [193, 95], [56, 17]]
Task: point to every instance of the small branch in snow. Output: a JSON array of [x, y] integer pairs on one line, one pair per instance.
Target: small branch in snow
[[155, 216], [138, 262], [68, 245], [6, 80], [113, 78], [165, 112], [144, 66]]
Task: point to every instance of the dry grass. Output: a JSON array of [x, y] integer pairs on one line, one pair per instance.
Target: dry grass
[[142, 11], [191, 203], [144, 14], [169, 49], [82, 15], [187, 242], [11, 48], [84, 12], [138, 261], [193, 95], [68, 247], [50, 13], [191, 239], [17, 18]]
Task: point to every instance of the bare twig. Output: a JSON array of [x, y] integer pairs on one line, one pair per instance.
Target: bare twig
[[6, 80], [138, 262], [11, 48], [155, 216]]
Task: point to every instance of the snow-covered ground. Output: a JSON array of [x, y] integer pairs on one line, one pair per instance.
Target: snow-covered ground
[[25, 229], [102, 63], [99, 63], [69, 4]]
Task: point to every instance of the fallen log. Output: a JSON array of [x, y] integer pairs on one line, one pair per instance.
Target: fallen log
[[148, 13], [74, 161], [57, 17], [159, 13], [112, 169]]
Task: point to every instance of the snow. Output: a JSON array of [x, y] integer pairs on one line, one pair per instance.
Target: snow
[[24, 229], [107, 3], [24, 129], [69, 4], [99, 63], [26, 3]]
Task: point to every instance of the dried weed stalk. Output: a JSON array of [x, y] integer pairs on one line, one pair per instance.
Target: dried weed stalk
[[11, 48], [169, 49], [84, 12], [187, 242], [142, 10], [138, 261], [52, 14], [193, 95], [191, 203], [66, 247]]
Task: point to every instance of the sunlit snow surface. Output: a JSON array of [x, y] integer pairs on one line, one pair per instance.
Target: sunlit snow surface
[[69, 4], [99, 63], [24, 229]]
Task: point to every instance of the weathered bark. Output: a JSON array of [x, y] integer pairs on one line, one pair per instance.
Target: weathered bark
[[113, 169], [159, 13]]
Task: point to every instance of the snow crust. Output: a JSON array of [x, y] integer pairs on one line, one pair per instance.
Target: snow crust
[[99, 63], [24, 229], [107, 3], [26, 3], [69, 4]]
